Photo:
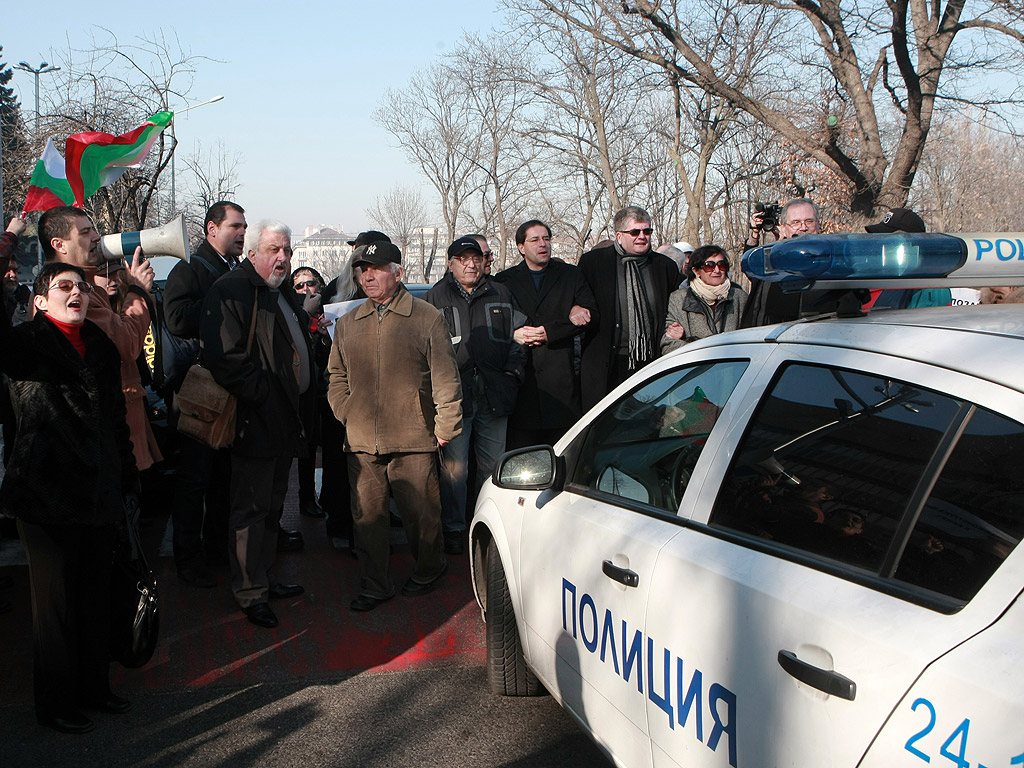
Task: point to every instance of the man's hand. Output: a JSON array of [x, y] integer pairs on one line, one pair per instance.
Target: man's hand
[[441, 442], [530, 335], [141, 272], [579, 315], [674, 331], [323, 326], [17, 226]]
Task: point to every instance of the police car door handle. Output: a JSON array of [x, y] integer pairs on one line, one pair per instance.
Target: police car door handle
[[825, 680], [621, 575]]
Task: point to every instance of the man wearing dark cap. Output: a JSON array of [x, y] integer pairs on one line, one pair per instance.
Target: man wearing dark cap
[[344, 287], [905, 220], [482, 317], [394, 384], [897, 220]]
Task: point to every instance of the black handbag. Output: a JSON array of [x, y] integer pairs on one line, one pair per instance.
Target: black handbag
[[134, 610]]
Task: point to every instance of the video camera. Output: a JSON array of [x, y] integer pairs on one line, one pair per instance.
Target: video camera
[[771, 213]]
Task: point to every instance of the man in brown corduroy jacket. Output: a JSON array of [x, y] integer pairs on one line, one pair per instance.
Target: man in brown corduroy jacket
[[394, 384]]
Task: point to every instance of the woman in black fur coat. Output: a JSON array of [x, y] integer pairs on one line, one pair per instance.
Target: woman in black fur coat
[[71, 466]]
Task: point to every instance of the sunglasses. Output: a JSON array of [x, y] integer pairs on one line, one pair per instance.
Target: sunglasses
[[307, 284], [68, 285], [637, 232], [711, 266]]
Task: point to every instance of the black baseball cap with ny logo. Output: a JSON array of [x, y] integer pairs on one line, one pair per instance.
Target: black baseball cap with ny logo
[[377, 254]]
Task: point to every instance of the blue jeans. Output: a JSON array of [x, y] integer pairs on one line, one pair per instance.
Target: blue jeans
[[486, 433]]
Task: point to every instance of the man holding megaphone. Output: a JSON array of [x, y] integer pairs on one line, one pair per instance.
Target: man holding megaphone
[[67, 235]]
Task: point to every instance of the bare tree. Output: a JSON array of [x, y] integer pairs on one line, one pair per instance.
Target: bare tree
[[435, 127], [398, 213], [114, 87], [495, 88], [897, 57], [212, 176], [969, 178]]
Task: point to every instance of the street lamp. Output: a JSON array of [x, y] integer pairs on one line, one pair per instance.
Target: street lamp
[[42, 69]]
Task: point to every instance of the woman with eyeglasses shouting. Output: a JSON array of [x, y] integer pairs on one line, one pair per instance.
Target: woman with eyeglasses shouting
[[71, 468], [709, 303]]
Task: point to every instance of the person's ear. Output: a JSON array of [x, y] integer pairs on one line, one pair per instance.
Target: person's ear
[[40, 303]]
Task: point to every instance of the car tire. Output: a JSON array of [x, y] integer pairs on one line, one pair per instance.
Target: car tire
[[507, 673]]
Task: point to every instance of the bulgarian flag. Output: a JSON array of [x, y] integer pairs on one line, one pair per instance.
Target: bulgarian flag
[[48, 186], [97, 159]]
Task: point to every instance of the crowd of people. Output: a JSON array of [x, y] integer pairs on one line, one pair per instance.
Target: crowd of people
[[409, 401]]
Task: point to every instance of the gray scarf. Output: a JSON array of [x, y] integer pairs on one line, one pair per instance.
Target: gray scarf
[[638, 320]]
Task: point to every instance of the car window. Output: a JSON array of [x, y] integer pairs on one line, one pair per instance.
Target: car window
[[974, 516], [836, 462], [644, 447]]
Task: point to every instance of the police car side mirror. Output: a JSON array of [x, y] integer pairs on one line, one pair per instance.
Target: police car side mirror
[[535, 468]]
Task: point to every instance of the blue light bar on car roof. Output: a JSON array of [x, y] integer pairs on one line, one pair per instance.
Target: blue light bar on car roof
[[896, 260]]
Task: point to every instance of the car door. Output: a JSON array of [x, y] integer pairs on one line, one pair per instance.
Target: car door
[[848, 535], [588, 553]]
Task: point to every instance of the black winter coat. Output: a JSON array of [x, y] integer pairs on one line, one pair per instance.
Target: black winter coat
[[273, 418], [187, 286], [550, 395], [72, 459], [602, 340], [481, 332]]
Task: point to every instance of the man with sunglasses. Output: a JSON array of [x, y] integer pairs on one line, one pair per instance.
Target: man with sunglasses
[[481, 316], [631, 284]]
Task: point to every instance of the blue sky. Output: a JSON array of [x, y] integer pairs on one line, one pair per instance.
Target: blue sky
[[300, 82]]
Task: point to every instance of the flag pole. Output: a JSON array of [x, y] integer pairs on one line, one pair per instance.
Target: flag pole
[[174, 203], [200, 104]]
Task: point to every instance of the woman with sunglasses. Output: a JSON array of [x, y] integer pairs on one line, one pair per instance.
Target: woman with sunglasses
[[308, 283], [709, 303], [70, 469]]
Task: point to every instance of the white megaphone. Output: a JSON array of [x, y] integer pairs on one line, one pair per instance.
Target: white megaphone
[[170, 239]]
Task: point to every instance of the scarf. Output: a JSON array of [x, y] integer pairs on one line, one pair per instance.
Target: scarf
[[638, 319], [711, 294]]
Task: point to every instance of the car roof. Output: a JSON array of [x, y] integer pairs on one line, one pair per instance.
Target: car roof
[[983, 341]]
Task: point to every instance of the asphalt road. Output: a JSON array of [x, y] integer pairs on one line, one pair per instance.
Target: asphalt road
[[403, 685]]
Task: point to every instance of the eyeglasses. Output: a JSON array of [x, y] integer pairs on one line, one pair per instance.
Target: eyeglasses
[[711, 266], [475, 259], [307, 284], [68, 285], [637, 232], [489, 256]]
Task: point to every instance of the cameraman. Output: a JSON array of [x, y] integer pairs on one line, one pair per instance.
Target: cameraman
[[799, 216], [767, 304]]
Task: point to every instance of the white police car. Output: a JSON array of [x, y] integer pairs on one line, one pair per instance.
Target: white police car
[[792, 545]]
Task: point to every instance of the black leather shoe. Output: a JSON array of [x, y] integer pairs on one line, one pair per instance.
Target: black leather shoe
[[367, 603], [283, 591], [198, 576], [261, 615], [453, 543], [68, 722], [311, 508], [111, 704], [415, 589], [289, 541]]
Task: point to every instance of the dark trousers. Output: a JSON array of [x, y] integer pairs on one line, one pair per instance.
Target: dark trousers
[[201, 503], [69, 570], [335, 489], [519, 437], [258, 488], [412, 479]]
